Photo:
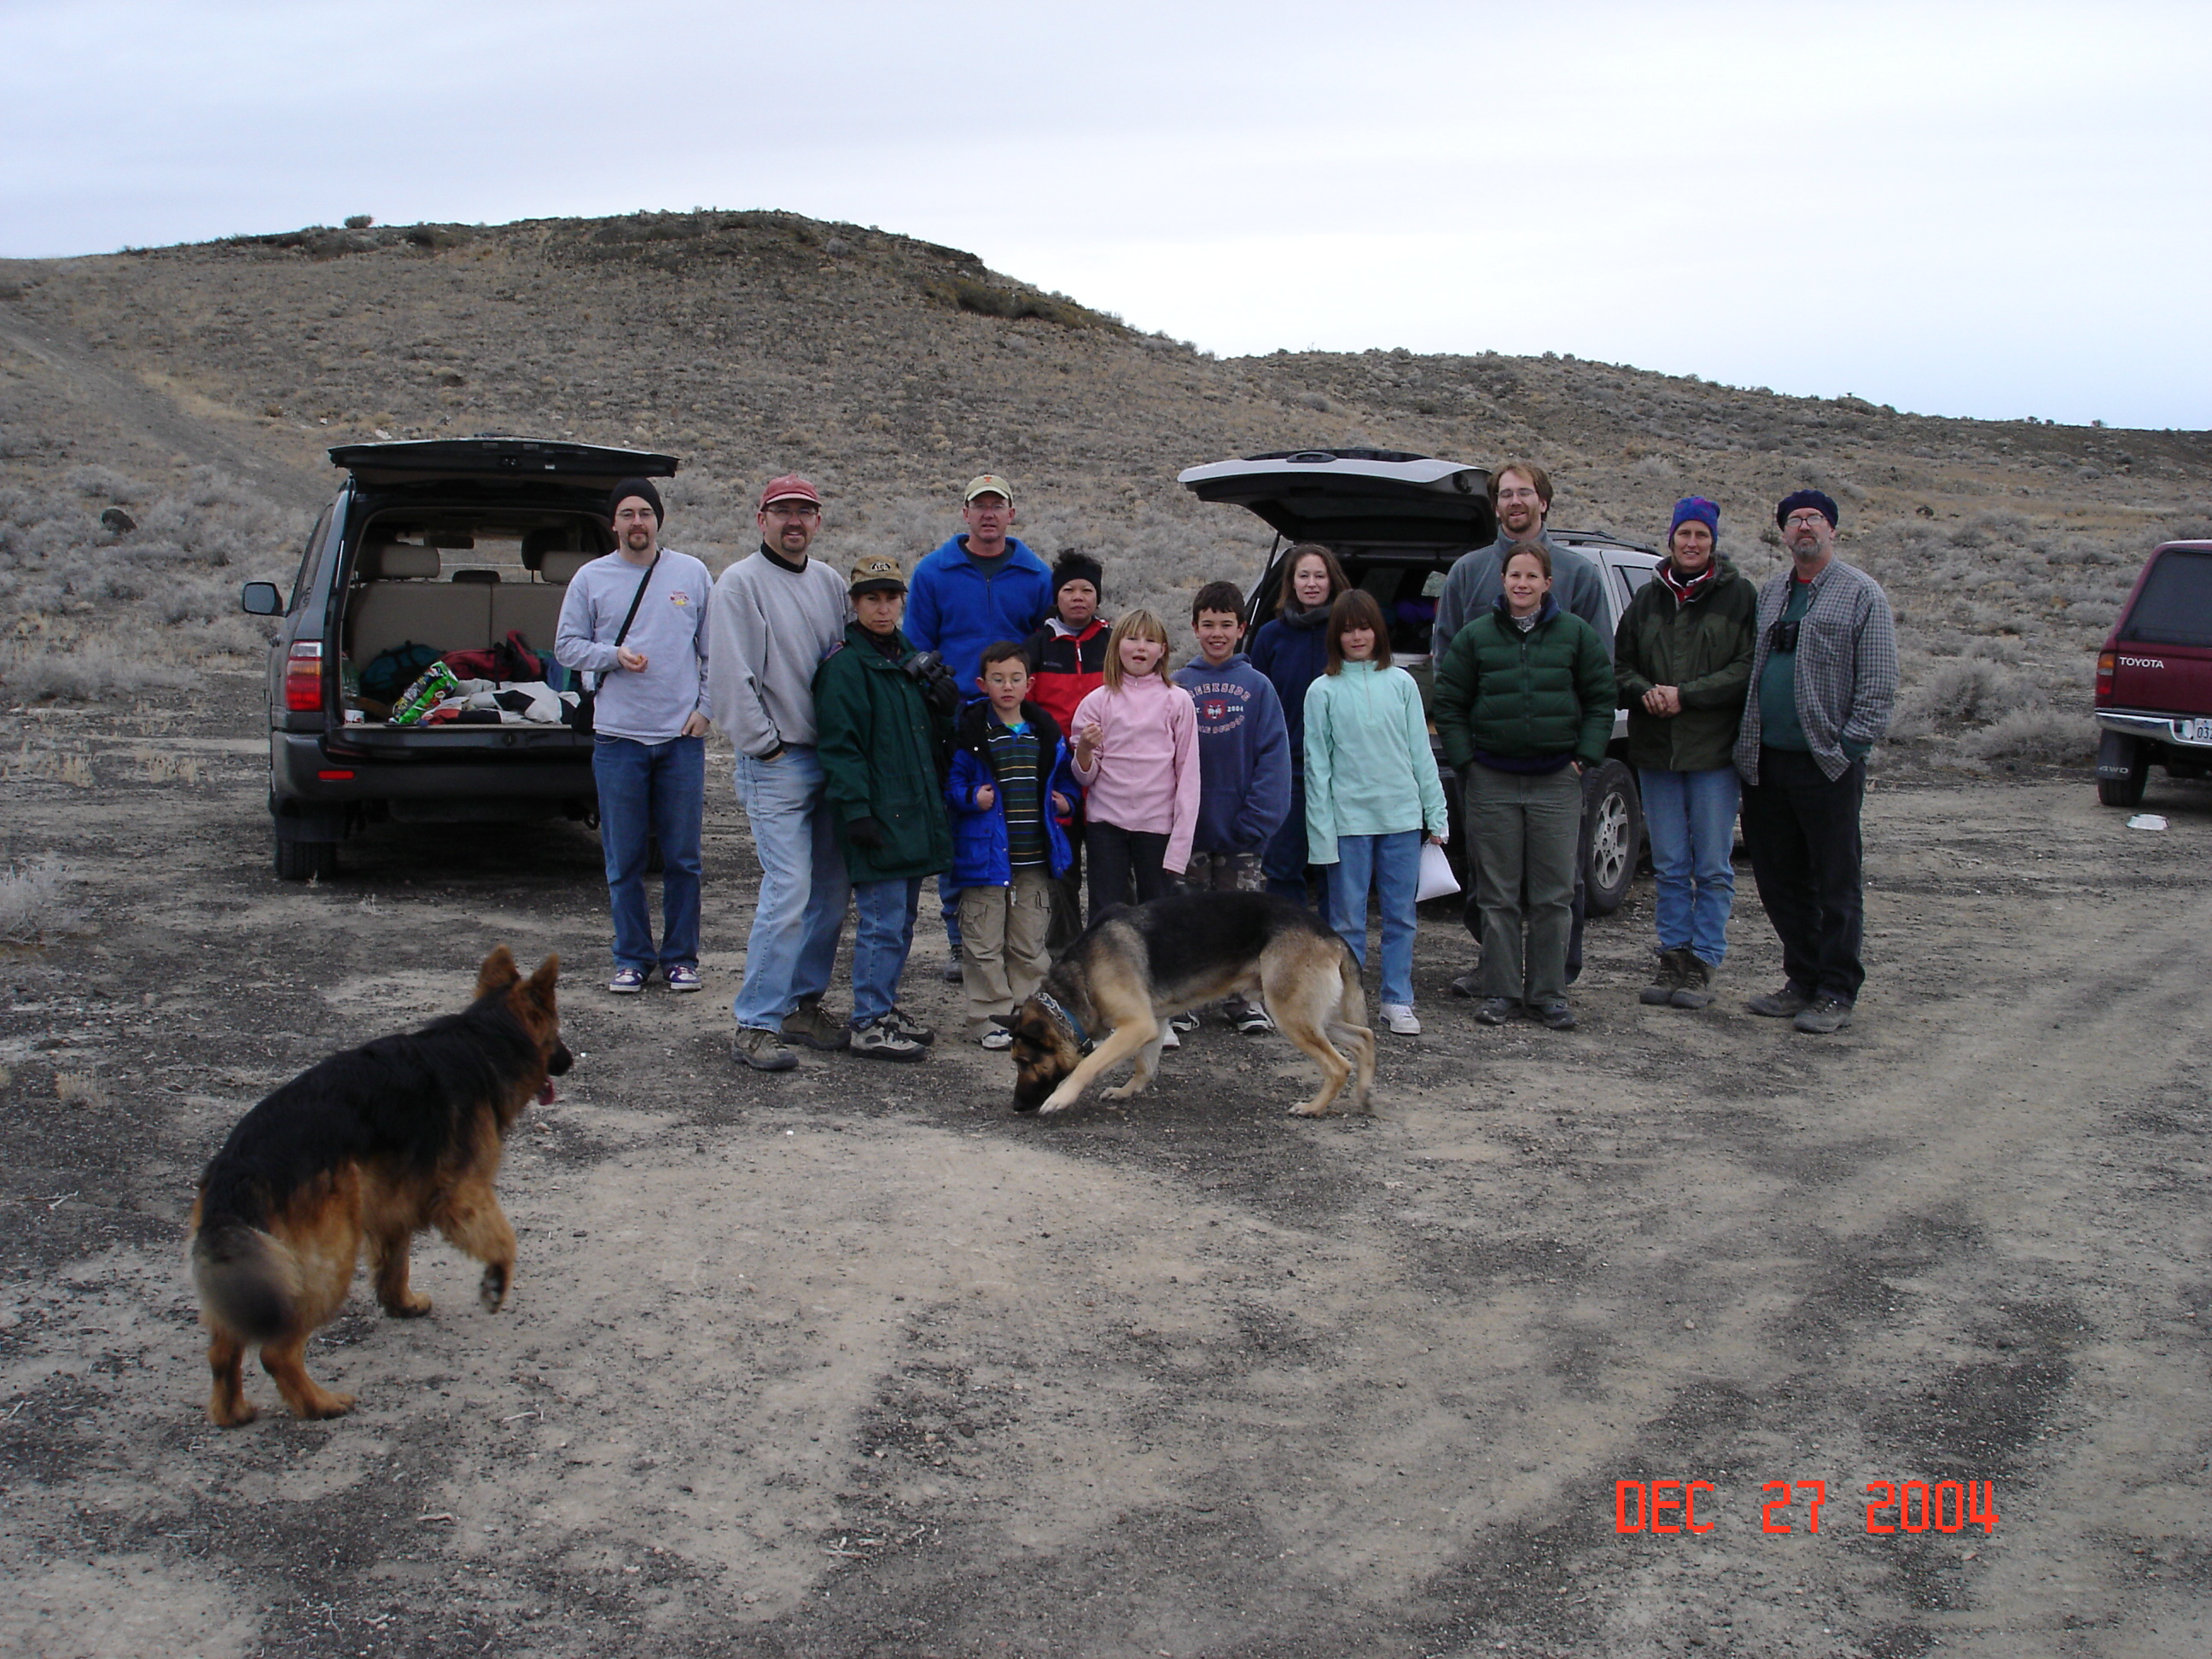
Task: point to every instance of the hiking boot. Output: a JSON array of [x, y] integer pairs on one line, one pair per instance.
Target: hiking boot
[[627, 981], [1556, 1015], [762, 1049], [1399, 1019], [1824, 1016], [1468, 985], [881, 1040], [1787, 1003], [1696, 990], [808, 1024], [1666, 980], [681, 978], [1251, 1019], [951, 973], [1496, 1011], [907, 1026]]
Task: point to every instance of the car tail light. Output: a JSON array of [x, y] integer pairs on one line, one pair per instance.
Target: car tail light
[[303, 677], [2108, 663]]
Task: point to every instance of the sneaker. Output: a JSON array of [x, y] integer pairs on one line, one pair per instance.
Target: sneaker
[[808, 1024], [1558, 1016], [908, 1025], [627, 981], [1468, 985], [1787, 1003], [998, 1039], [1168, 1037], [1696, 990], [1252, 1020], [1398, 1017], [1666, 979], [951, 973], [881, 1040], [681, 978], [1824, 1016], [1496, 1011], [762, 1049], [1185, 1021]]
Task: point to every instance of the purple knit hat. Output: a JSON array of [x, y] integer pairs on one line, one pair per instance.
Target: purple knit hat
[[1696, 509]]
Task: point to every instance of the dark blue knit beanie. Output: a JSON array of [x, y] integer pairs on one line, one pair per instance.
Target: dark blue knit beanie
[[1696, 509], [1821, 502]]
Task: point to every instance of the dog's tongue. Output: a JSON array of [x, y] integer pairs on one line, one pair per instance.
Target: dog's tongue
[[546, 1094]]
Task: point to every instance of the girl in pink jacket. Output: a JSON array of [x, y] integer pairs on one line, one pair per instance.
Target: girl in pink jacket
[[1136, 752]]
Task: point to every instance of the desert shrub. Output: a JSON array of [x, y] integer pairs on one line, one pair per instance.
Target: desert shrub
[[1963, 691], [105, 483], [2046, 736], [36, 904], [95, 670]]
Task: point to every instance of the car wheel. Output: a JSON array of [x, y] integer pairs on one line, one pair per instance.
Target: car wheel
[[306, 860], [1613, 815], [2123, 771]]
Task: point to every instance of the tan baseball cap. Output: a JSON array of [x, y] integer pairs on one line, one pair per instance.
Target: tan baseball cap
[[878, 573], [989, 484]]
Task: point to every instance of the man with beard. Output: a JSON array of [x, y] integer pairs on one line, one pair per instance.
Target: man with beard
[[637, 620], [1520, 495], [776, 615], [1823, 682]]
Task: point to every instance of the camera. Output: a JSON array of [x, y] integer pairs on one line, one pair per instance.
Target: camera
[[928, 669]]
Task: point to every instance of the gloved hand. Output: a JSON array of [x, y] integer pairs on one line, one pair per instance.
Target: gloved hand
[[866, 834]]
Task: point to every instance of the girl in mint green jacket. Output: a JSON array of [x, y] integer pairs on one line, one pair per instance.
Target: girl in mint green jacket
[[1371, 792]]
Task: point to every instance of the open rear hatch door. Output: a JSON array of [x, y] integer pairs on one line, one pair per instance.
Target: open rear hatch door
[[1355, 496], [438, 460]]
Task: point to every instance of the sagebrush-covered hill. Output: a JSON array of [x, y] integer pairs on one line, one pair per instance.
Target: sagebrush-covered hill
[[195, 388]]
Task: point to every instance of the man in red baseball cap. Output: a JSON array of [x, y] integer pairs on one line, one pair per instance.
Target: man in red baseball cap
[[776, 614]]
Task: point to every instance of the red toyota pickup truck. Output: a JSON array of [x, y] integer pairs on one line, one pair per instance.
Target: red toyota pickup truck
[[2154, 677]]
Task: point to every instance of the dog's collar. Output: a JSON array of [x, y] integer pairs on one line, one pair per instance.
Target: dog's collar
[[1083, 1043]]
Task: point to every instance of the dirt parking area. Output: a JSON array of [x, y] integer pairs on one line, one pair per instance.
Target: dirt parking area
[[855, 1361]]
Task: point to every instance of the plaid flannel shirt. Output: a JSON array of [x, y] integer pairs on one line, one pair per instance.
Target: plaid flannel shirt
[[1846, 666]]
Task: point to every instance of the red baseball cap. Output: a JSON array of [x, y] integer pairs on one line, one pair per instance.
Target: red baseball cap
[[789, 487]]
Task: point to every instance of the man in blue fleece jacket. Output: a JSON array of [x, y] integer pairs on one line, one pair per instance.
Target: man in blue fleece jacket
[[972, 591]]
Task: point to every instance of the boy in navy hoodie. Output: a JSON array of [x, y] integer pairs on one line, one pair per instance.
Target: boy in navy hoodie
[[1011, 783], [1243, 762]]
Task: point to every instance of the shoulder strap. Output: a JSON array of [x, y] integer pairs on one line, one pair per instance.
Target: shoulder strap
[[636, 600]]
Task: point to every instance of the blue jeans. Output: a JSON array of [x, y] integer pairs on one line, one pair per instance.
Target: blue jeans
[[883, 932], [652, 792], [1393, 865], [801, 905], [1690, 817]]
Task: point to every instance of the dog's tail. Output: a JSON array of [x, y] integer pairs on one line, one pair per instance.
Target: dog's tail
[[249, 1283]]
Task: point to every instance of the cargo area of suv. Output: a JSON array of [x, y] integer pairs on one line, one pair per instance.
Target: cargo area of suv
[[459, 545], [2153, 697]]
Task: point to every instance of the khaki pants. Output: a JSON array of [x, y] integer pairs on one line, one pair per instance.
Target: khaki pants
[[1002, 933], [1525, 828]]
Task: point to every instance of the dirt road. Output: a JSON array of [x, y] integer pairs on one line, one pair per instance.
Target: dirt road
[[855, 1361]]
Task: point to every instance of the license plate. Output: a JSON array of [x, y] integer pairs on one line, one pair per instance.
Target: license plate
[[2196, 731]]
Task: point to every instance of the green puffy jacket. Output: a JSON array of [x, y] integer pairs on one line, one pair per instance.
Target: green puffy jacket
[[880, 747], [1704, 650], [1525, 696]]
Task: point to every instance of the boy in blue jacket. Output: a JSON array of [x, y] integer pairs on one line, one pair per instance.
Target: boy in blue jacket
[[1244, 763], [1011, 782]]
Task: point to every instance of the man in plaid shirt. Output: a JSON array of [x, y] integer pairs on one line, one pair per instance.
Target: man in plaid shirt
[[1823, 679]]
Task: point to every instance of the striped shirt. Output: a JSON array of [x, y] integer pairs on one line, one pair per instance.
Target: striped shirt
[[1846, 666], [1014, 764]]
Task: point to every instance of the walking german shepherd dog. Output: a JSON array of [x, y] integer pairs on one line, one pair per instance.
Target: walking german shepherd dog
[[1107, 998], [373, 1145]]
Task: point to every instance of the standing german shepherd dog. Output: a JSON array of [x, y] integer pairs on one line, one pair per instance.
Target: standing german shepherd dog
[[1105, 999], [374, 1144]]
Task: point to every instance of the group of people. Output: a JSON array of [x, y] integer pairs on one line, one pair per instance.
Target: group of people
[[981, 721]]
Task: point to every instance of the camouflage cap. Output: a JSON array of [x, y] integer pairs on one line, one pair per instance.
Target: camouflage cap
[[878, 572]]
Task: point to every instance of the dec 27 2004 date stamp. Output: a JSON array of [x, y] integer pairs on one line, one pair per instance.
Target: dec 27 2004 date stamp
[[1795, 1506]]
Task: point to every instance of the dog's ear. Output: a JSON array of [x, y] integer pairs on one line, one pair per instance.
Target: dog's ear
[[539, 987], [498, 971]]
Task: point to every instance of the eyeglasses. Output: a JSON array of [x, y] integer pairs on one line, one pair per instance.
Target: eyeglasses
[[1804, 520], [793, 510]]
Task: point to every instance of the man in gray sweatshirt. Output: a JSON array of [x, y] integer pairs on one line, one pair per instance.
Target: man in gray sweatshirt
[[637, 620], [776, 614]]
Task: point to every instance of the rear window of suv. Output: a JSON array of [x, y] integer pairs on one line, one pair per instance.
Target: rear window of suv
[[2175, 604]]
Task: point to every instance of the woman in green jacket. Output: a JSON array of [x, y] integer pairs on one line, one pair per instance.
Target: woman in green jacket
[[881, 745], [1372, 789], [1683, 660], [1524, 703]]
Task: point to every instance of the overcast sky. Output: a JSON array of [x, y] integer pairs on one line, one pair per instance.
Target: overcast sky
[[1987, 210]]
